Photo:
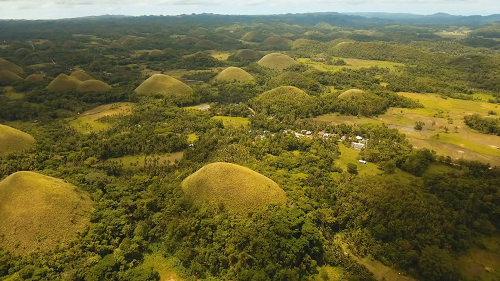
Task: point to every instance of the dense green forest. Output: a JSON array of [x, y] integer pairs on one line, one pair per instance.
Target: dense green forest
[[380, 134]]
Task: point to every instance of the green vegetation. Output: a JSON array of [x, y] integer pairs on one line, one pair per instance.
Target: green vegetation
[[351, 156], [240, 189], [63, 83], [233, 121], [12, 140], [56, 213], [204, 164], [90, 121], [247, 55], [7, 78], [164, 86], [234, 74], [285, 101], [80, 75], [277, 61], [93, 86], [277, 42], [9, 66], [34, 78], [130, 161]]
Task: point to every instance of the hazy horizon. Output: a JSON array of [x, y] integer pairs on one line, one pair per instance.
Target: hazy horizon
[[59, 9]]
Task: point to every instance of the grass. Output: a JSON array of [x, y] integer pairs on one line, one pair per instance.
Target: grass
[[9, 66], [247, 54], [34, 78], [164, 266], [467, 144], [219, 55], [89, 120], [207, 44], [63, 83], [334, 274], [164, 85], [12, 94], [337, 119], [232, 74], [452, 34], [284, 95], [202, 106], [233, 121], [7, 78], [192, 138], [473, 265], [351, 64], [130, 161], [438, 168], [276, 61], [460, 142], [57, 211], [240, 189], [351, 93], [80, 75], [277, 41], [93, 86], [13, 140], [350, 155]]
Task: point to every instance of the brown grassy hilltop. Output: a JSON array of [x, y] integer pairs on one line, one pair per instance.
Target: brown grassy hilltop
[[38, 212]]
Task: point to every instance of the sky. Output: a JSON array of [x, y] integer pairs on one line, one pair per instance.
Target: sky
[[56, 9]]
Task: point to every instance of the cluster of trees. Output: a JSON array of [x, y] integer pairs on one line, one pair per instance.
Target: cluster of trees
[[482, 124]]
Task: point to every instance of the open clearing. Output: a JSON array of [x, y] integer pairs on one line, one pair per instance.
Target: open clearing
[[480, 263], [12, 94], [219, 55], [233, 121], [130, 161], [192, 138], [164, 266], [351, 64], [334, 274], [350, 155], [439, 115], [89, 120]]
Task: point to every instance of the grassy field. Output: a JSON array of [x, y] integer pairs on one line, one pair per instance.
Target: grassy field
[[202, 106], [164, 266], [12, 94], [192, 138], [12, 140], [351, 64], [438, 114], [233, 121], [138, 160], [333, 274], [219, 54], [240, 189], [475, 265], [350, 155], [89, 120], [57, 211]]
